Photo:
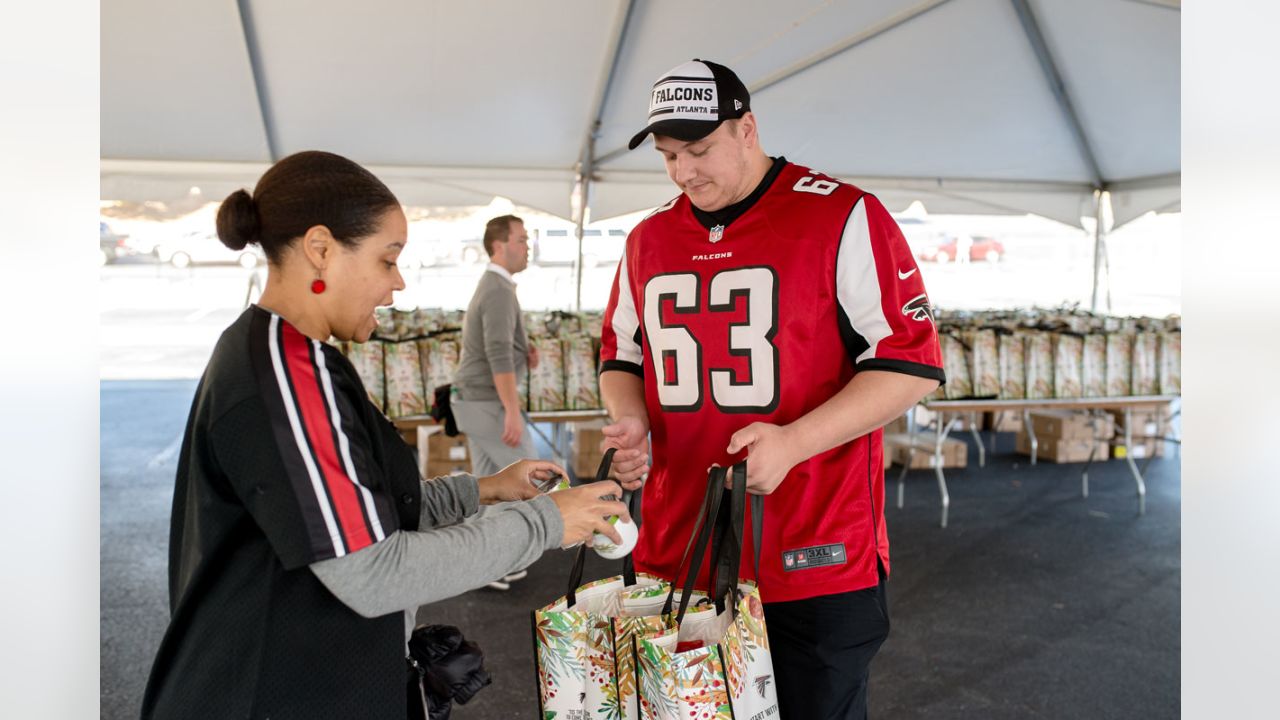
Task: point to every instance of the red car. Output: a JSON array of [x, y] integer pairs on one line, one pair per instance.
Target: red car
[[981, 248]]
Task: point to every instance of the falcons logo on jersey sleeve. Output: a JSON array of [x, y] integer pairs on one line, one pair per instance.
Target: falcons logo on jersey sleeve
[[918, 308]]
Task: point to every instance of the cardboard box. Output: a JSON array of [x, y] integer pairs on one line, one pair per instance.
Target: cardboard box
[[897, 425], [448, 449], [1007, 421], [1071, 425], [955, 453], [436, 467], [586, 448], [1148, 421], [1139, 450], [1063, 450]]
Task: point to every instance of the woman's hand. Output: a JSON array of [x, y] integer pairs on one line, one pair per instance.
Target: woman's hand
[[517, 481], [584, 512]]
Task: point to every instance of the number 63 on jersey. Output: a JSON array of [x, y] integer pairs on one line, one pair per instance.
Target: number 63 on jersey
[[678, 353]]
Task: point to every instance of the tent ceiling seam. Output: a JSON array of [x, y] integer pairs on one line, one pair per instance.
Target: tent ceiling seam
[[1031, 27], [1164, 4], [602, 94], [259, 82], [847, 43]]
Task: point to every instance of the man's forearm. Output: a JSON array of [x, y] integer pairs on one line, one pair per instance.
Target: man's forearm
[[871, 399], [623, 395], [507, 392]]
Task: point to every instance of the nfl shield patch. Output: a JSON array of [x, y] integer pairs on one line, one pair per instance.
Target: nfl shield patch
[[717, 233]]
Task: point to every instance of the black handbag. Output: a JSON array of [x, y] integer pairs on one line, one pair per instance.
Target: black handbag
[[443, 666], [442, 409]]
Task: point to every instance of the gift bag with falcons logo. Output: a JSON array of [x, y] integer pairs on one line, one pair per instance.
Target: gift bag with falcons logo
[[715, 664]]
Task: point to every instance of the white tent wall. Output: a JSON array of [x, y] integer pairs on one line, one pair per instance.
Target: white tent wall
[[975, 106]]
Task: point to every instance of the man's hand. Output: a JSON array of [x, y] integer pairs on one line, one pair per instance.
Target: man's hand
[[533, 357], [631, 461], [517, 481], [770, 455], [512, 428]]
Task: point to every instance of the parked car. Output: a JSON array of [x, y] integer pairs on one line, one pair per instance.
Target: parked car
[[111, 244], [201, 246], [981, 248]]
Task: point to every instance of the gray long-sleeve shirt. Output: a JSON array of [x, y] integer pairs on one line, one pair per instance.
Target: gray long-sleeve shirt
[[493, 338], [444, 557]]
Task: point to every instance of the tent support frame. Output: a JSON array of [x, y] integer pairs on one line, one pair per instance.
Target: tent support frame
[[259, 82], [587, 158]]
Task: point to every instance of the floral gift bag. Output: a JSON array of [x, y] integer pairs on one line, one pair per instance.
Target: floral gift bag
[[718, 666], [583, 650]]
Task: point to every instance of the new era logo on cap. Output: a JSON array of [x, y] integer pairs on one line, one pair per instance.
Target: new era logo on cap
[[690, 101]]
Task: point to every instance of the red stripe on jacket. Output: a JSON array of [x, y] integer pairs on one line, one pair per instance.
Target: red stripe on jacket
[[315, 420]]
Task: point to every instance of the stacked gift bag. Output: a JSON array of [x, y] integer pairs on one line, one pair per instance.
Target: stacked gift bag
[[413, 352], [1061, 353], [567, 375], [410, 354]]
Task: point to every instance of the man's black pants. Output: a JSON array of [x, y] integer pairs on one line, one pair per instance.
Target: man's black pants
[[822, 649]]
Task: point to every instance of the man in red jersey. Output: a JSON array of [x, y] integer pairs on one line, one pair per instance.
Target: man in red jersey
[[771, 312]]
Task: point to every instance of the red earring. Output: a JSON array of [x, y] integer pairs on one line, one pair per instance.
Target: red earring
[[317, 286]]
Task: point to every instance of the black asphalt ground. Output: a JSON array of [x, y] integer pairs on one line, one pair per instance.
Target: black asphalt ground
[[1034, 603]]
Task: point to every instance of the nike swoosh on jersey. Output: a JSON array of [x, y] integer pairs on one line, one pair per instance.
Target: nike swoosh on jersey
[[905, 275]]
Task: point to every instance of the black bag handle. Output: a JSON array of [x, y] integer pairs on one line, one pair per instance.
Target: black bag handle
[[632, 499], [728, 561], [726, 553], [757, 515], [697, 524], [715, 491]]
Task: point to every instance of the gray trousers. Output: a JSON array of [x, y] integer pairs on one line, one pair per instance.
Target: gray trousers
[[481, 421]]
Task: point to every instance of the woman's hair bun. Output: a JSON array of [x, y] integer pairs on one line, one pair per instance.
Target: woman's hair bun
[[238, 223]]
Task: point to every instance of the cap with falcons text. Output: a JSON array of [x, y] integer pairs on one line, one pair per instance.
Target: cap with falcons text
[[690, 101]]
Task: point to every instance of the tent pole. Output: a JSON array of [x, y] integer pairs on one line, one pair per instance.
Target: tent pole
[[588, 160], [253, 47], [584, 190], [1097, 247], [1101, 257]]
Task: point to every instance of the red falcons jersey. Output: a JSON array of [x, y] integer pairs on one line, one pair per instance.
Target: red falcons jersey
[[764, 320]]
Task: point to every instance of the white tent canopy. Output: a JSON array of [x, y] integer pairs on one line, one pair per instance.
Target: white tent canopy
[[972, 106], [949, 101]]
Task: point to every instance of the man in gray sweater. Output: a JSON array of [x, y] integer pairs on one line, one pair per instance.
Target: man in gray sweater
[[495, 352]]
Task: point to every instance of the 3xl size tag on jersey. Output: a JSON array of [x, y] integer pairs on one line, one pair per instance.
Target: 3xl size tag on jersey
[[815, 556]]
